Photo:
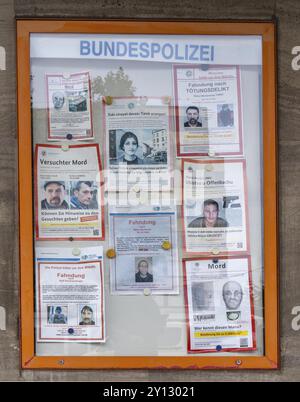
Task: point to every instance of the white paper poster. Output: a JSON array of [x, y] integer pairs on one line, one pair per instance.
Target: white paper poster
[[208, 110], [219, 305], [145, 243], [69, 106], [70, 295], [68, 193], [138, 143], [215, 207]]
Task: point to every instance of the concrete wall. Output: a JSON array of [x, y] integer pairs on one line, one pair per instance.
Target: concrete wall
[[287, 13]]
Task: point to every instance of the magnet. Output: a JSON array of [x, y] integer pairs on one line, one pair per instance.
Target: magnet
[[209, 167], [136, 189], [111, 253], [76, 251], [108, 100], [166, 245]]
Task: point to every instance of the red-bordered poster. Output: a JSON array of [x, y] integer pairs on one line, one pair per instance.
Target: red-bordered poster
[[69, 106], [219, 304], [215, 207], [69, 201], [70, 295], [208, 110], [138, 143]]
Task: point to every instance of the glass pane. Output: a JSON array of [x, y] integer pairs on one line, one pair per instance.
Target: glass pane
[[148, 172]]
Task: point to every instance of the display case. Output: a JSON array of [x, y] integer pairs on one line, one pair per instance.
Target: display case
[[147, 194]]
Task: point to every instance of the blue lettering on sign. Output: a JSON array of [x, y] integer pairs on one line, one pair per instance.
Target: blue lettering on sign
[[84, 48], [148, 50], [133, 49], [121, 49], [144, 50], [155, 48]]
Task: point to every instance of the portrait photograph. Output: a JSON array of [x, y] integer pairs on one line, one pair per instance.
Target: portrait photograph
[[203, 296], [86, 314], [194, 117], [143, 269], [54, 195], [214, 212], [83, 194], [233, 295], [138, 147], [58, 100]]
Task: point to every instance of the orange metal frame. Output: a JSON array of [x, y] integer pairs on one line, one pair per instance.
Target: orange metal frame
[[29, 360]]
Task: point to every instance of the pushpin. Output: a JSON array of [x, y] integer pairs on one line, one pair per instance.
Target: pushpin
[[66, 75], [65, 147], [108, 100], [166, 245], [111, 253], [215, 251], [71, 238], [219, 348], [76, 251], [211, 154], [71, 331], [209, 167], [166, 100], [69, 136], [147, 292], [204, 67]]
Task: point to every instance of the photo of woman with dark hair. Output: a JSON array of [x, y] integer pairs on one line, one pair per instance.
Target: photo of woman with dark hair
[[129, 144]]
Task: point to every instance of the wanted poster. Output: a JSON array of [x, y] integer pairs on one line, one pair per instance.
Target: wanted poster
[[69, 106], [208, 110], [138, 143], [219, 305], [70, 295], [145, 245], [68, 193], [215, 207]]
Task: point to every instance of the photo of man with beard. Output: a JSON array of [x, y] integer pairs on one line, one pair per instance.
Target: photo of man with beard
[[55, 192], [192, 117]]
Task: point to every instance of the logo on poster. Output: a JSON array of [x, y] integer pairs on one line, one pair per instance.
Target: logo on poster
[[2, 59]]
